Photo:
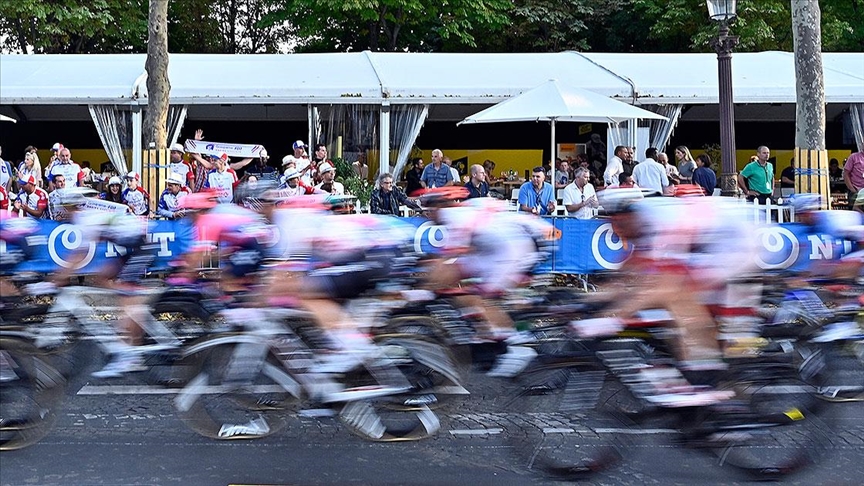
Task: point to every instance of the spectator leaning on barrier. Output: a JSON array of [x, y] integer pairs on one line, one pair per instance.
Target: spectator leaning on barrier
[[579, 197], [757, 178], [135, 196], [31, 200], [114, 191], [436, 174], [387, 198], [170, 201], [536, 196], [853, 176], [477, 186], [56, 210]]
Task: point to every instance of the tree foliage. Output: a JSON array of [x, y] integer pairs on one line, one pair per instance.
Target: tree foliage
[[247, 26], [388, 25]]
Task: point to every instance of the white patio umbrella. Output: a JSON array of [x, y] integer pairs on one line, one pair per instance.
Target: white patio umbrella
[[8, 118], [555, 101]]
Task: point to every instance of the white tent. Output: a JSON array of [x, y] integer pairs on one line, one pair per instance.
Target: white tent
[[8, 119], [555, 101]]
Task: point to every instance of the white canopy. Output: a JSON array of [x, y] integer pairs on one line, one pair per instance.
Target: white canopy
[[559, 101], [555, 101]]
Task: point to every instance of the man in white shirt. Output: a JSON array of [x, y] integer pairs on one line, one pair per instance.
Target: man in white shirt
[[615, 166], [579, 197], [650, 174], [457, 179]]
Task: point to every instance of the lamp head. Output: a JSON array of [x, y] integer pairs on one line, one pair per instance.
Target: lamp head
[[722, 10]]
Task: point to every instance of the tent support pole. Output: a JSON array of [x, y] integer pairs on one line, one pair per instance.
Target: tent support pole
[[137, 137], [552, 158], [384, 149]]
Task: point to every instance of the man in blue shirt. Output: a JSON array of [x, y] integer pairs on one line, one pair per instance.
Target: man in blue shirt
[[436, 174], [536, 196]]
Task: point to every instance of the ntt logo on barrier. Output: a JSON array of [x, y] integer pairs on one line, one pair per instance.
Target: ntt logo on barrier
[[429, 237], [609, 250], [65, 240], [779, 245]]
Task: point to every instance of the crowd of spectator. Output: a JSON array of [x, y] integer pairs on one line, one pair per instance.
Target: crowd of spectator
[[29, 189]]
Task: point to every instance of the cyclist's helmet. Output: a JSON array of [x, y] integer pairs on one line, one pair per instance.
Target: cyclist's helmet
[[443, 196], [619, 199], [205, 199], [75, 196], [805, 202], [688, 190], [339, 203]]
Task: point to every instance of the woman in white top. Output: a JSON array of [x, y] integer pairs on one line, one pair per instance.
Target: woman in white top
[[29, 167], [686, 164]]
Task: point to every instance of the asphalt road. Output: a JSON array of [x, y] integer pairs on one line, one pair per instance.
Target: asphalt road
[[122, 432]]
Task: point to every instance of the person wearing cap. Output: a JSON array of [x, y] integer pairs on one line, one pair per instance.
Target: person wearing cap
[[54, 150], [300, 150], [170, 202], [31, 201], [114, 192], [222, 178], [56, 210], [176, 165], [436, 174], [328, 183], [64, 165], [135, 196], [387, 198]]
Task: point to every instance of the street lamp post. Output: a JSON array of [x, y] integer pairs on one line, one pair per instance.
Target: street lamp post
[[724, 12]]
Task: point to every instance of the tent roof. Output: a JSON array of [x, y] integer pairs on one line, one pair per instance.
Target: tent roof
[[757, 77], [440, 78]]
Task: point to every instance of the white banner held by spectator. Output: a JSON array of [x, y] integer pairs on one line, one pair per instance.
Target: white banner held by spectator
[[217, 148], [107, 206]]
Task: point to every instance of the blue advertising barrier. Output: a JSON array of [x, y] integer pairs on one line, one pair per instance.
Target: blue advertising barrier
[[586, 246], [54, 243]]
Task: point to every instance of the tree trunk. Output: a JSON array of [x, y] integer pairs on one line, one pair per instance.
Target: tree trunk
[[158, 85], [810, 154]]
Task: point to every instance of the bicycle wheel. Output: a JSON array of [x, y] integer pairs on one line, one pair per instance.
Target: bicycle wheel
[[564, 424], [430, 372], [30, 394], [771, 430], [236, 388]]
